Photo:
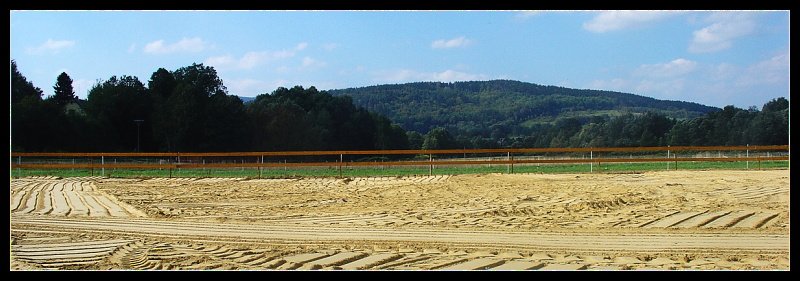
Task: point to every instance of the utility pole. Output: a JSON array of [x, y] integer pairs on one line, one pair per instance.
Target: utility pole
[[138, 124]]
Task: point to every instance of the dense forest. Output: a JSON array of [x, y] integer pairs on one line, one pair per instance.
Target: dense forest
[[504, 113], [190, 109], [503, 108]]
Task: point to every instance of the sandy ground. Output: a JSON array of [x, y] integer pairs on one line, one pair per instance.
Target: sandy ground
[[649, 221]]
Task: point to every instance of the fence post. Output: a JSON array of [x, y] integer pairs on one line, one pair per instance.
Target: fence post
[[19, 161], [748, 156], [430, 168], [759, 163], [512, 163], [508, 167], [259, 166], [591, 163], [667, 157], [676, 160], [341, 159], [102, 165]]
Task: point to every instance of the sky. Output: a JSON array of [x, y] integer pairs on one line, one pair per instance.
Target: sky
[[715, 58]]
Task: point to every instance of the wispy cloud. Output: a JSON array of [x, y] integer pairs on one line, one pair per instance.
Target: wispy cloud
[[452, 43], [405, 75], [191, 45], [677, 67], [714, 84], [774, 70], [252, 59], [618, 20], [51, 46], [132, 48], [724, 28]]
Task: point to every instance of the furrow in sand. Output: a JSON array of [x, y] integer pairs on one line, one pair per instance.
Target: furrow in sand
[[729, 219], [60, 205], [476, 264], [756, 220], [701, 220], [29, 202], [519, 265], [371, 261], [674, 219]]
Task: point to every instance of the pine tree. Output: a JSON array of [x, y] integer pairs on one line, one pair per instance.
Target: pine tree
[[64, 93]]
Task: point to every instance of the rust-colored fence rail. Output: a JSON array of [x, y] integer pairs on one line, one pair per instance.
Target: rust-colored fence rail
[[670, 153], [404, 152]]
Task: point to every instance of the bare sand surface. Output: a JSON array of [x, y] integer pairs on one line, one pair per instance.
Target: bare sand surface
[[673, 220]]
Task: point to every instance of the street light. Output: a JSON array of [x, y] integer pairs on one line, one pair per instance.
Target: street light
[[138, 124]]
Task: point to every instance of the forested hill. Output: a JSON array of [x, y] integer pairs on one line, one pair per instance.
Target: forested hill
[[470, 108]]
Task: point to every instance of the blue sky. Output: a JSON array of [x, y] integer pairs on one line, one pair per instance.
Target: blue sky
[[715, 58]]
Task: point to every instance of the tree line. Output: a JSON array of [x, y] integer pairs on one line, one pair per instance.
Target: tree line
[[190, 110]]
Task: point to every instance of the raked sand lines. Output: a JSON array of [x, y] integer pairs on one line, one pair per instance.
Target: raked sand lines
[[714, 219], [66, 198]]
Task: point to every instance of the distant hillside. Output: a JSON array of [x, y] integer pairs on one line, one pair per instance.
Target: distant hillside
[[516, 108], [246, 100]]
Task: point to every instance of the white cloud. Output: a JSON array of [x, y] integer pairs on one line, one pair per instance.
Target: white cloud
[[51, 46], [192, 45], [712, 84], [406, 75], [252, 59], [774, 70], [724, 28], [452, 43], [301, 46], [677, 67], [617, 20], [661, 80]]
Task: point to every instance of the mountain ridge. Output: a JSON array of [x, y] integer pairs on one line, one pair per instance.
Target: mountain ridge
[[467, 107]]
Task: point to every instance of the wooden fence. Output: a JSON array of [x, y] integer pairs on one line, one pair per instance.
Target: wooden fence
[[98, 160]]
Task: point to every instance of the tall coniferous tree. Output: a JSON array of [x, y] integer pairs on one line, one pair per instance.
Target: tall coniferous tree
[[64, 93]]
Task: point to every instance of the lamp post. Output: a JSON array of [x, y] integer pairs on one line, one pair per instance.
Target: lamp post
[[138, 124]]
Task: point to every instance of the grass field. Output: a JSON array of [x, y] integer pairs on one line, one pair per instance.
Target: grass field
[[400, 171]]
